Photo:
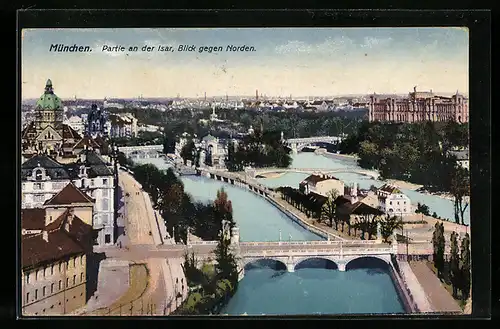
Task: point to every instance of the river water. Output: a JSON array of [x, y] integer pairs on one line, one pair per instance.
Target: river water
[[307, 290]]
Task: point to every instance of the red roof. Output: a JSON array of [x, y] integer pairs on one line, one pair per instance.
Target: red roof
[[68, 195], [33, 219]]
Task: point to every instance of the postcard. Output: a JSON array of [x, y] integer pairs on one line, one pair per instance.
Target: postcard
[[245, 171]]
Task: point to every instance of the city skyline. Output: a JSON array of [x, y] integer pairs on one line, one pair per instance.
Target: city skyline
[[300, 62]]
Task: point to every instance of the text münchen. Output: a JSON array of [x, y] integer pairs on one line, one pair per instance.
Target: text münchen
[[57, 47]]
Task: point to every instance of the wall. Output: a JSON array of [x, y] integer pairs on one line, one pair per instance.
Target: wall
[[83, 212], [326, 186], [53, 302]]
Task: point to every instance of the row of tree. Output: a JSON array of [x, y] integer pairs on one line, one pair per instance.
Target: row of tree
[[457, 267], [417, 153], [326, 209]]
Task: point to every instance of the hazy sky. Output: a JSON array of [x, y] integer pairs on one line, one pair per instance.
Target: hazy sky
[[297, 61]]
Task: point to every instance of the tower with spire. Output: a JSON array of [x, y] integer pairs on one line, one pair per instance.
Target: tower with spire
[[48, 110]]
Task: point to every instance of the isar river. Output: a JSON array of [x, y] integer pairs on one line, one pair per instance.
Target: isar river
[[307, 290]]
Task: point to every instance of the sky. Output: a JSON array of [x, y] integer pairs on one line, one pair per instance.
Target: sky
[[287, 61]]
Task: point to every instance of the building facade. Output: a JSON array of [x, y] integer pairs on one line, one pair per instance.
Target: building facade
[[97, 123], [123, 125], [419, 107], [321, 184], [54, 262], [393, 202]]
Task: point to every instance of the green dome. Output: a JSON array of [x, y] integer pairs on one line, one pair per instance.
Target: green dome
[[49, 100]]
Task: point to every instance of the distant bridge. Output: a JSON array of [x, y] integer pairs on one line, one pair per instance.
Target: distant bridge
[[142, 152], [297, 144], [318, 171]]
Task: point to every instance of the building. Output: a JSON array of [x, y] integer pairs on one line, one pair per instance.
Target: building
[[76, 123], [462, 157], [123, 125], [95, 177], [54, 254], [97, 123], [321, 184], [47, 133], [418, 107], [43, 178], [393, 202]]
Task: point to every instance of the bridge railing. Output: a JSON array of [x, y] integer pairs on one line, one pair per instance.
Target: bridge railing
[[317, 252], [198, 243], [310, 243]]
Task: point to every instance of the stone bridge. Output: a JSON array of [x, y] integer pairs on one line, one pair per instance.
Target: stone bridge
[[297, 144], [317, 171], [142, 152]]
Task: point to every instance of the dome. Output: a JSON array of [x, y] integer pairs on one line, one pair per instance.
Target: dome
[[49, 100]]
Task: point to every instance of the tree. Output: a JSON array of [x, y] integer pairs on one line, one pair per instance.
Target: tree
[[438, 243], [187, 152], [223, 209], [422, 209], [208, 157], [454, 263], [460, 187], [226, 267], [465, 267], [329, 208], [388, 225]]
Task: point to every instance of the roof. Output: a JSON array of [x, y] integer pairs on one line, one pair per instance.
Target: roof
[[68, 132], [53, 169], [29, 130], [86, 141], [387, 188], [68, 195], [359, 208], [49, 100], [33, 219], [97, 165], [35, 251], [209, 138], [317, 178]]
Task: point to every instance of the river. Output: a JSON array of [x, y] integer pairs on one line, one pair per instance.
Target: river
[[305, 291]]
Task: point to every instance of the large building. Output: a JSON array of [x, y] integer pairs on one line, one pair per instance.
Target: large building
[[393, 202], [54, 250], [47, 134], [43, 178], [418, 107]]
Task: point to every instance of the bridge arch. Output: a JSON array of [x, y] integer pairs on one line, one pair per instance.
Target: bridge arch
[[316, 262], [267, 262], [368, 262]]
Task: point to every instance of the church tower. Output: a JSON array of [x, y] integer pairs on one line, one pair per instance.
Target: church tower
[[48, 110]]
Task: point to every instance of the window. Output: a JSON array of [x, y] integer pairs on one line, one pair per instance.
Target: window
[[398, 202], [38, 198], [43, 291], [390, 203], [27, 278], [81, 277], [105, 181], [405, 210], [60, 267], [52, 288], [105, 204], [52, 268], [67, 282], [74, 279], [38, 174], [81, 260], [74, 262], [405, 202], [60, 284], [36, 294], [27, 297], [107, 238], [44, 272], [105, 193], [91, 182], [43, 311]]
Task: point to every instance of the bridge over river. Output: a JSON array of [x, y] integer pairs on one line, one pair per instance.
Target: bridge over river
[[289, 253], [318, 171]]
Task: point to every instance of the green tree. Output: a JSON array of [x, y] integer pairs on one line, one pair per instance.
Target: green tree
[[454, 263], [223, 209], [465, 267], [438, 242], [188, 152], [329, 208], [460, 187], [388, 225], [226, 267]]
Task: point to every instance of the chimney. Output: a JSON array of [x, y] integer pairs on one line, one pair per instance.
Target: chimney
[[45, 236]]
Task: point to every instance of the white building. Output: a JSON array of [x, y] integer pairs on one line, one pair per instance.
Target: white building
[[123, 125], [93, 176], [321, 184], [42, 178], [393, 202], [76, 123]]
